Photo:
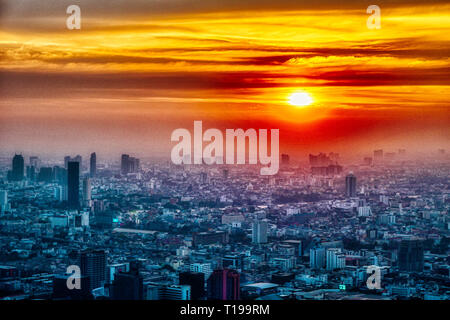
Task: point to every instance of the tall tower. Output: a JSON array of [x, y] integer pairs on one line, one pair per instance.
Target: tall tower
[[259, 231], [93, 265], [3, 200], [73, 184], [350, 186], [224, 285], [18, 168], [93, 165], [86, 190], [410, 255], [124, 164], [317, 258]]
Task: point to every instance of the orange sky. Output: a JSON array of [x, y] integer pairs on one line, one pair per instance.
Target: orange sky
[[137, 70]]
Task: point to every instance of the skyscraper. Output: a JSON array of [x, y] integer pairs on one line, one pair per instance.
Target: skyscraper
[[410, 255], [124, 163], [3, 200], [317, 258], [93, 265], [77, 158], [350, 185], [73, 184], [34, 161], [335, 259], [224, 284], [93, 165], [18, 169], [129, 164], [86, 190], [259, 231]]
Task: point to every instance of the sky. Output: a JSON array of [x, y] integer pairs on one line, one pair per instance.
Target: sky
[[137, 70]]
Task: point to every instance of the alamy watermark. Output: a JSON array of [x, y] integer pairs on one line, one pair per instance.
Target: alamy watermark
[[374, 20], [213, 153], [74, 280], [374, 280]]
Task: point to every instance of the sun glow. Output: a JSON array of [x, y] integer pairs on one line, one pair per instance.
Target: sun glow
[[300, 99]]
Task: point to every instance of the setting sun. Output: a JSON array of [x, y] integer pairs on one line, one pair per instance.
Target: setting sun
[[300, 99]]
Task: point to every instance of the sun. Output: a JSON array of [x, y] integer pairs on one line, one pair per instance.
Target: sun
[[300, 99]]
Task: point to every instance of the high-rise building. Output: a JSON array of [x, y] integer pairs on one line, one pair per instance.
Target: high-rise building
[[378, 155], [73, 184], [31, 173], [259, 231], [93, 165], [335, 259], [18, 169], [410, 255], [317, 258], [3, 200], [224, 284], [34, 161], [77, 158], [129, 164], [124, 163], [127, 286], [93, 265], [60, 175], [59, 193], [284, 159], [350, 186], [197, 282], [86, 190]]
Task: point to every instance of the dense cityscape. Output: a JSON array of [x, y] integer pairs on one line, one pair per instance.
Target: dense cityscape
[[144, 230]]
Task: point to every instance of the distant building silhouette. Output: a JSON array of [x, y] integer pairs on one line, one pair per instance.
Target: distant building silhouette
[[129, 164], [93, 165], [18, 168], [77, 158], [285, 159], [378, 155], [350, 186], [73, 184], [259, 231], [410, 255], [224, 284], [323, 164], [86, 191]]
